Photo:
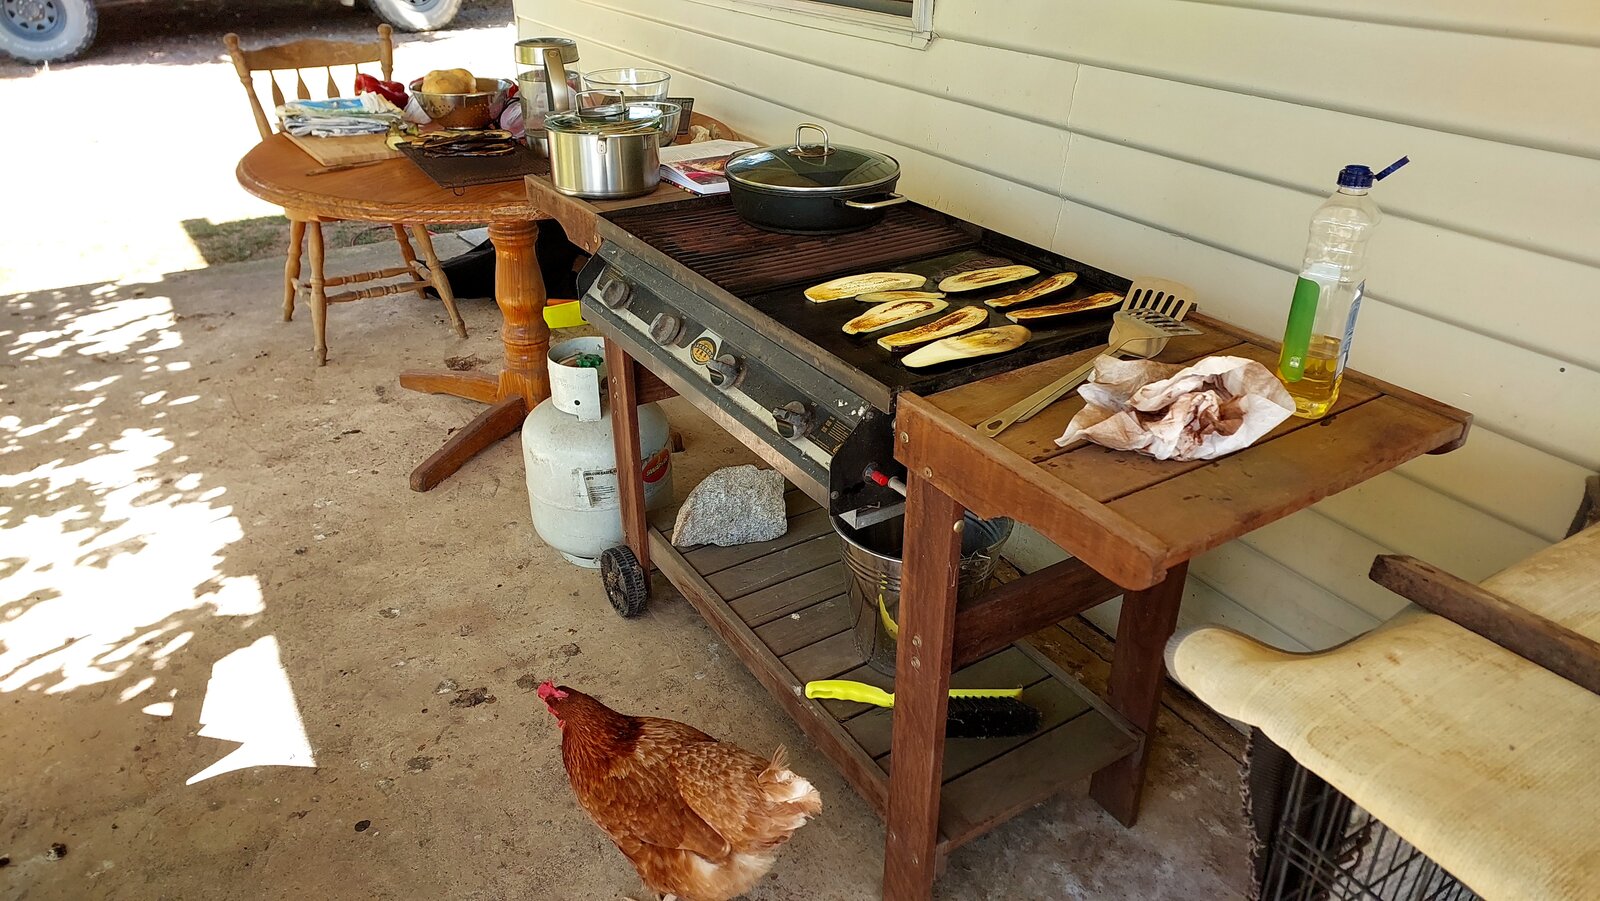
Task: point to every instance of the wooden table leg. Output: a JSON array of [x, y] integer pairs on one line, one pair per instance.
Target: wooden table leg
[[520, 294], [519, 290], [1138, 669], [932, 555], [622, 386], [499, 420]]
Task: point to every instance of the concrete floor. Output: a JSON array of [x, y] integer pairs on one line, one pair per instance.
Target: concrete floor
[[211, 566]]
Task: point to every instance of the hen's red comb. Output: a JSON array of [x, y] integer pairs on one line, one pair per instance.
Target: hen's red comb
[[548, 690]]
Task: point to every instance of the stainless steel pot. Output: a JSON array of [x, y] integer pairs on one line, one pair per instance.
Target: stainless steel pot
[[612, 153], [804, 188]]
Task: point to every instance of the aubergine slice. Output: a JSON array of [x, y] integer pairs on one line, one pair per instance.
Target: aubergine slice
[[1038, 289], [953, 323], [982, 343], [1066, 308], [866, 282], [985, 278], [892, 313], [886, 296]]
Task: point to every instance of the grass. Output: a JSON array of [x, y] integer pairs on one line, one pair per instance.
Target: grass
[[267, 237]]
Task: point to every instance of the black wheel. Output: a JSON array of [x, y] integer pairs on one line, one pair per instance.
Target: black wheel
[[626, 585], [416, 15], [46, 31]]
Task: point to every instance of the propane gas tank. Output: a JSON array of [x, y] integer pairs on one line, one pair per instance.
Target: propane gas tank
[[571, 462]]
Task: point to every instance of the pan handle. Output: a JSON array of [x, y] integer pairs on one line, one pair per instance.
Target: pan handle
[[891, 200], [557, 92]]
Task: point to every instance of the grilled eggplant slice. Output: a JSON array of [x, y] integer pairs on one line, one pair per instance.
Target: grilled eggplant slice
[[892, 313], [1038, 289], [952, 323], [1067, 308], [981, 343], [886, 296], [985, 278], [852, 285]]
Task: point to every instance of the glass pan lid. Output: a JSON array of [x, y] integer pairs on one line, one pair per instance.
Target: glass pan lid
[[812, 167]]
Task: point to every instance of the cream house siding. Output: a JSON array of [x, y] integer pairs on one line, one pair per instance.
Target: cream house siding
[[1193, 139]]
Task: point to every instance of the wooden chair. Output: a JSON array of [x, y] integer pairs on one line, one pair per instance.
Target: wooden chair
[[308, 55]]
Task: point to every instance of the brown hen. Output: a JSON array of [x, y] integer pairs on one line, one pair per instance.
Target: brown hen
[[699, 819]]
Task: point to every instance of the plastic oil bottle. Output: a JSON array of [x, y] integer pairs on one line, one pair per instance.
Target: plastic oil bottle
[[1327, 296]]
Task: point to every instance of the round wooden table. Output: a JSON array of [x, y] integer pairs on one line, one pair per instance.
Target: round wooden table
[[396, 192]]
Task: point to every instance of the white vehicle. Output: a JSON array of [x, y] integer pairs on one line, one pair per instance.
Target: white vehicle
[[44, 31]]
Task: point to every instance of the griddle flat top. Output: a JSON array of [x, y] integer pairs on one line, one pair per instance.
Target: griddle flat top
[[769, 272]]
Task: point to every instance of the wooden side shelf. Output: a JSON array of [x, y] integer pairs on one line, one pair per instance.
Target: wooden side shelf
[[781, 605]]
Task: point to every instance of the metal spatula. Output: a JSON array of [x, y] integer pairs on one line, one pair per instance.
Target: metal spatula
[[1173, 299], [1127, 327]]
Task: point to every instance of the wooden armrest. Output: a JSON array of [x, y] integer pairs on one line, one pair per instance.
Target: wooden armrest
[[1551, 645]]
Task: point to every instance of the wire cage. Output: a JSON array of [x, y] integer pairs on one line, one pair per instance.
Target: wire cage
[[1312, 843]]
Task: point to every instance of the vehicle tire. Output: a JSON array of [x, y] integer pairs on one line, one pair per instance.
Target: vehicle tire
[[47, 31], [416, 15], [627, 584]]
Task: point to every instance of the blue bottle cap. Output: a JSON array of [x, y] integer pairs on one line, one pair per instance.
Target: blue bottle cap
[[1355, 177]]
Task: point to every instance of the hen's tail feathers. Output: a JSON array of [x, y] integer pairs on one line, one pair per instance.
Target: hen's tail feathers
[[785, 787]]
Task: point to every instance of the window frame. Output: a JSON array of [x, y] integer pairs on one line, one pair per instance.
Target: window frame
[[915, 30]]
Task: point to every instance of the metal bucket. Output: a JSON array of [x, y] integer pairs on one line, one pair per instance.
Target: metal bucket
[[872, 570]]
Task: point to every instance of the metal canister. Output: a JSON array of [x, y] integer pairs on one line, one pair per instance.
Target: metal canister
[[547, 82], [616, 155], [872, 558]]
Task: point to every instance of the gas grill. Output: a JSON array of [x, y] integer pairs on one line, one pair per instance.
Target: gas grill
[[715, 306]]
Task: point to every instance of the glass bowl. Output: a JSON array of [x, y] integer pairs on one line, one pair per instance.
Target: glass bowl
[[635, 84], [670, 114]]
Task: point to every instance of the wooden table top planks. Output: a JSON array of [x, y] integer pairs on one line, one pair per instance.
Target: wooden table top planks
[[1131, 517], [391, 190]]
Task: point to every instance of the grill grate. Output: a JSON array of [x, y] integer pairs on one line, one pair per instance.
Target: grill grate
[[708, 237]]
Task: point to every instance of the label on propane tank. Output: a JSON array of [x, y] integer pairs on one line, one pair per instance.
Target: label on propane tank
[[597, 487]]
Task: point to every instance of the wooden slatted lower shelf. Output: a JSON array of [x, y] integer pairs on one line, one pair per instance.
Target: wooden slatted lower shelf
[[782, 607]]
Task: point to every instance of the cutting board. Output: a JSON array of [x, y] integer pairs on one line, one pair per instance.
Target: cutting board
[[347, 150]]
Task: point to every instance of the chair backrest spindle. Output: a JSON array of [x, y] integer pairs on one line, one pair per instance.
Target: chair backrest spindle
[[297, 56]]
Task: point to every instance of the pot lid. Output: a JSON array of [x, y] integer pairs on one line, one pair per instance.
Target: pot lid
[[530, 51], [812, 167], [624, 120]]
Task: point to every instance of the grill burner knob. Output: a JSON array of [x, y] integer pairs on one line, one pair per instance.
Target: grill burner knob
[[666, 328], [615, 292], [726, 371], [794, 419]]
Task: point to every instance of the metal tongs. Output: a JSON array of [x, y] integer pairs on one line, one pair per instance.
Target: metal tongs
[[1151, 314]]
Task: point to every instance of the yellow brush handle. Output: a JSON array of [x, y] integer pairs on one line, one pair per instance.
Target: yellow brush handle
[[862, 693], [846, 690]]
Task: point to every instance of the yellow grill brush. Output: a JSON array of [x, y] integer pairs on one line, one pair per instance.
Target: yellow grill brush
[[973, 712]]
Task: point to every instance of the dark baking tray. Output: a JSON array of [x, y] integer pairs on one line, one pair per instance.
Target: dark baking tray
[[466, 171]]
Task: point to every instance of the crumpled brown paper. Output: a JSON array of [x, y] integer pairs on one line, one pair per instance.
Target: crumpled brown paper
[[1198, 412]]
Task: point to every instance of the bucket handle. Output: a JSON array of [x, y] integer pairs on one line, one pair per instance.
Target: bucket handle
[[892, 627]]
